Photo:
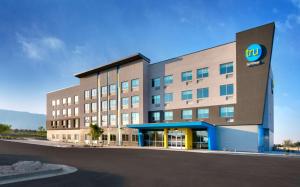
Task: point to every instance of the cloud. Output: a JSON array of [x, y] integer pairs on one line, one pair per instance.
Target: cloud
[[39, 48], [296, 3], [291, 21]]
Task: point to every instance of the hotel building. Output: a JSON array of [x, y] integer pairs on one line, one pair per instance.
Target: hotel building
[[220, 98]]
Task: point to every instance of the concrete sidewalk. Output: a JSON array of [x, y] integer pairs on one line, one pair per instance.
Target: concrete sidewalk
[[72, 145]]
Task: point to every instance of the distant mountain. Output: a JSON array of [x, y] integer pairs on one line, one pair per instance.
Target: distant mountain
[[22, 120]]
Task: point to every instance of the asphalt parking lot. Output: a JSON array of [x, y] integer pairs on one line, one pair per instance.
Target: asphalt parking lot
[[133, 167]]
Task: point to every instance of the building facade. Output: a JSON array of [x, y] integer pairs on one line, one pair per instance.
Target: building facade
[[220, 98]]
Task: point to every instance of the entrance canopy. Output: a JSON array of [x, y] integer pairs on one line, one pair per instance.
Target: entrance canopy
[[211, 129]]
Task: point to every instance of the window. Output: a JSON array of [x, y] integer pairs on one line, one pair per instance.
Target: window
[[87, 94], [135, 118], [87, 121], [112, 119], [113, 137], [202, 73], [94, 120], [156, 99], [76, 99], [64, 112], [168, 79], [76, 122], [57, 112], [135, 84], [76, 136], [53, 113], [112, 89], [69, 136], [103, 91], [187, 114], [134, 138], [57, 102], [69, 100], [135, 100], [94, 107], [104, 120], [168, 115], [156, 83], [86, 108], [104, 105], [125, 119], [53, 103], [156, 116], [226, 89], [124, 86], [186, 95], [104, 137], [202, 113], [124, 102], [226, 68], [69, 123], [76, 111], [112, 104], [69, 112], [226, 111], [64, 123], [168, 97], [125, 137], [94, 93], [186, 76], [64, 101], [202, 93]]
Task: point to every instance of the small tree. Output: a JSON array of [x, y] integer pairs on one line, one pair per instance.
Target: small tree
[[95, 132], [4, 128], [41, 131], [287, 143]]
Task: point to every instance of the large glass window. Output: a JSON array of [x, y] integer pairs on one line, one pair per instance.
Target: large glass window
[[226, 89], [135, 118], [186, 95], [103, 91], [104, 105], [125, 119], [124, 86], [112, 104], [76, 111], [69, 100], [168, 115], [156, 83], [187, 114], [125, 137], [53, 103], [64, 101], [76, 99], [203, 113], [64, 112], [155, 116], [104, 120], [186, 76], [94, 93], [124, 102], [112, 89], [226, 111], [113, 137], [86, 108], [57, 102], [168, 97], [156, 99], [135, 84], [94, 107], [202, 73], [87, 94], [202, 93], [226, 68], [135, 100], [168, 79], [112, 119], [69, 112]]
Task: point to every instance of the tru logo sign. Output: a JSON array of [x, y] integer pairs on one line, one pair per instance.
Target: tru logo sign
[[253, 53]]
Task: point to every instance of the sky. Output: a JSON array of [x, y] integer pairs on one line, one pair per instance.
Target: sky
[[44, 43]]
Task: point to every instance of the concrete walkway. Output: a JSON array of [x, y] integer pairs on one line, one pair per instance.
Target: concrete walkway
[[69, 145]]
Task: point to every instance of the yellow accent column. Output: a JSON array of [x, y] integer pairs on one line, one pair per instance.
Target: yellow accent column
[[165, 138], [188, 138]]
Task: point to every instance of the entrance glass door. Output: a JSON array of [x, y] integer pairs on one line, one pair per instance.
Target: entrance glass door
[[200, 139], [176, 139]]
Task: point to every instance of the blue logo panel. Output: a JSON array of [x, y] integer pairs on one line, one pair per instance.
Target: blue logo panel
[[253, 52]]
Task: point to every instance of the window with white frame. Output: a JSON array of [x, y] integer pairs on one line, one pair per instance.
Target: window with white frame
[[135, 100], [124, 102], [104, 105], [112, 104], [64, 101], [94, 107], [53, 113], [112, 120], [135, 84], [156, 99], [103, 91], [124, 86], [76, 111], [76, 99], [76, 123], [69, 100], [135, 118], [87, 121], [155, 116], [168, 97], [104, 120], [94, 120], [187, 114], [202, 113], [64, 112], [87, 95], [57, 102], [125, 119], [112, 89], [168, 115], [87, 108], [57, 112], [69, 112], [94, 93], [53, 103]]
